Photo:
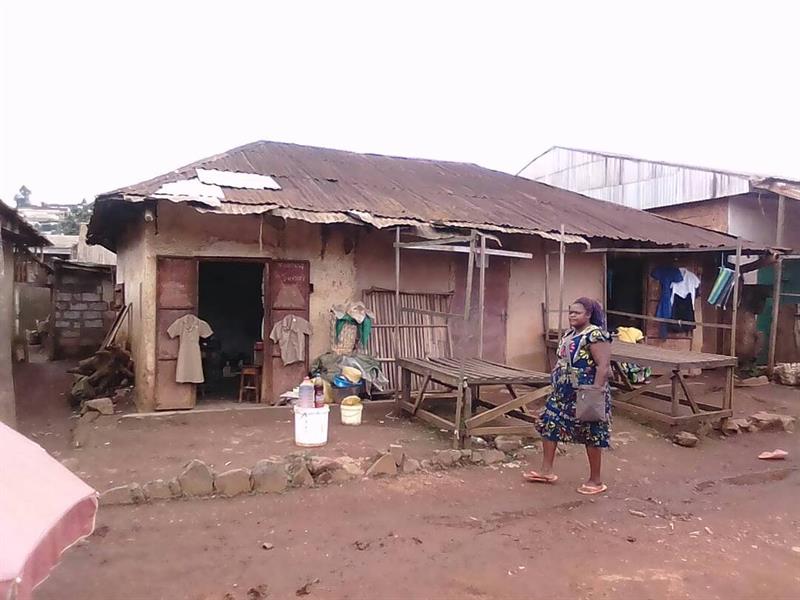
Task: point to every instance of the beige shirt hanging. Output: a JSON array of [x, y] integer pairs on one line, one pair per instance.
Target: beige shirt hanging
[[289, 333], [190, 364]]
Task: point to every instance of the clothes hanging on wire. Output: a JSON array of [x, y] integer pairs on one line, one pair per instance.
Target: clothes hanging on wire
[[722, 287], [666, 276], [686, 287], [682, 310]]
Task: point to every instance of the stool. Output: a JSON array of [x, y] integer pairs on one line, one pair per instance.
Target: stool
[[250, 382]]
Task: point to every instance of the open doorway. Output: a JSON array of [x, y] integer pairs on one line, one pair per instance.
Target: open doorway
[[230, 300], [626, 291]]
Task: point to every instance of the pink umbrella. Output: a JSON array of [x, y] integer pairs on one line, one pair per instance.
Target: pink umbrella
[[44, 509]]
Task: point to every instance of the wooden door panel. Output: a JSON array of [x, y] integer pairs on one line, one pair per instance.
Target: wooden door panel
[[176, 296], [289, 287], [169, 394]]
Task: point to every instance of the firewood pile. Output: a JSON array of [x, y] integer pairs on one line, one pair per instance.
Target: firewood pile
[[101, 374]]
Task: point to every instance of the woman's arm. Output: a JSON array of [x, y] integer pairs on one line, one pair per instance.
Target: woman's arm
[[601, 353]]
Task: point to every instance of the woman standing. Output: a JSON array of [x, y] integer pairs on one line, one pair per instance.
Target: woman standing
[[584, 360]]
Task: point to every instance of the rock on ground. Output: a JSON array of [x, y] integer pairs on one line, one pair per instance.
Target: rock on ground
[[196, 479], [397, 451], [685, 439], [410, 465], [158, 489], [105, 406], [320, 464], [234, 482], [507, 443], [385, 465], [764, 421], [447, 458], [488, 457], [175, 487], [270, 476], [299, 475], [123, 494]]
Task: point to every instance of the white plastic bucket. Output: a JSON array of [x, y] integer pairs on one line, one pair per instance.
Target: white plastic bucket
[[310, 426], [351, 415]]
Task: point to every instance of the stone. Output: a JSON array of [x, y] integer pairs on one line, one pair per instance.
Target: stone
[[270, 476], [426, 465], [385, 465], [489, 456], [88, 418], [175, 487], [479, 442], [79, 306], [123, 494], [158, 489], [526, 453], [299, 475], [685, 439], [62, 324], [764, 421], [105, 406], [196, 479], [447, 458], [90, 297], [349, 468], [742, 424], [729, 427], [466, 454], [507, 443], [71, 314], [319, 464], [94, 324], [101, 306], [91, 314], [397, 451], [63, 296], [411, 465], [233, 483]]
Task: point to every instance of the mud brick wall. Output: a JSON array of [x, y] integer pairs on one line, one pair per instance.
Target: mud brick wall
[[81, 313]]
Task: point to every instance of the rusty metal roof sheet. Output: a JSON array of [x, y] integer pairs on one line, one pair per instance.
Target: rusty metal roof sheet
[[14, 227], [321, 180]]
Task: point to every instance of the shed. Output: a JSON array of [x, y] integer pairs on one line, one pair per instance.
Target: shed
[[244, 238]]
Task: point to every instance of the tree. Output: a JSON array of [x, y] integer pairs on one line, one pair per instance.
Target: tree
[[23, 197], [76, 215]]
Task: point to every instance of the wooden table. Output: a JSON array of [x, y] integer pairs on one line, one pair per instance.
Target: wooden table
[[672, 364], [466, 379]]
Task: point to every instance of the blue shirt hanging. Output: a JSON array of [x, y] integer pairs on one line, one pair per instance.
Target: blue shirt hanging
[[666, 276]]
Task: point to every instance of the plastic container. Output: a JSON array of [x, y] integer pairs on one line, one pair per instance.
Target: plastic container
[[311, 426], [306, 394], [351, 415]]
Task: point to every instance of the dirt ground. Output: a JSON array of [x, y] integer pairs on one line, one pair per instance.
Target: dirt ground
[[718, 523]]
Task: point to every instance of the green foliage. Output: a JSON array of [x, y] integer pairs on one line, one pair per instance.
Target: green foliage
[[72, 220]]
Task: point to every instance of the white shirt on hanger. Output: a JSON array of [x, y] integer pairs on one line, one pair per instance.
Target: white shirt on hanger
[[687, 287]]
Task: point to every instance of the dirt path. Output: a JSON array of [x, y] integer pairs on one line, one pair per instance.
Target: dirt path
[[718, 524]]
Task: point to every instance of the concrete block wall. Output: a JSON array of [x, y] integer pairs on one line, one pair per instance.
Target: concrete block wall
[[81, 313]]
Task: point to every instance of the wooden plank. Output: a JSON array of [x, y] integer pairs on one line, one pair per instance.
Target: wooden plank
[[682, 380], [655, 382], [561, 282], [435, 420], [674, 394], [498, 411], [527, 429], [645, 354], [620, 313], [404, 395], [426, 368], [776, 306], [736, 275], [422, 391], [643, 411]]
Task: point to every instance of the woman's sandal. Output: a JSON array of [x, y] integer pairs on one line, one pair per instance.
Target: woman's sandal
[[534, 477], [591, 490]]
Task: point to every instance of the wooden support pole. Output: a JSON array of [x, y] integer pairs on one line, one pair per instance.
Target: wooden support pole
[[397, 314], [482, 295], [546, 323], [779, 237], [776, 306], [462, 394], [561, 283], [605, 282], [736, 275]]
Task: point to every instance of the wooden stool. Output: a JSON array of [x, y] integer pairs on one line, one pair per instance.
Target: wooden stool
[[250, 382]]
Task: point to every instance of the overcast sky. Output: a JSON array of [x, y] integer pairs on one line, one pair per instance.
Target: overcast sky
[[97, 95]]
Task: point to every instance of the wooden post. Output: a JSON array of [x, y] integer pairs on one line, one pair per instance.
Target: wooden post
[[461, 395], [546, 294], [736, 274], [561, 283], [605, 283], [779, 237], [777, 288], [675, 400], [397, 318], [481, 295]]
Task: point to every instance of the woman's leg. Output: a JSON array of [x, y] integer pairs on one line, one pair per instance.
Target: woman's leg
[[548, 456], [595, 456]]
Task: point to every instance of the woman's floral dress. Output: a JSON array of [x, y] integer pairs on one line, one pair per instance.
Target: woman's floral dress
[[558, 422]]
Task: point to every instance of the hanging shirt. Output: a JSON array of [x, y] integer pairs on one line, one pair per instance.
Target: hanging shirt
[[190, 364], [687, 287], [289, 333], [666, 276], [682, 310]]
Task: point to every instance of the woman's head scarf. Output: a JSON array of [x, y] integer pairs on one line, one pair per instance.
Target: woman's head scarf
[[597, 315]]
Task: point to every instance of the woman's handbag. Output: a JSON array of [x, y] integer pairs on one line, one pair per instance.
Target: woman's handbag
[[590, 404], [590, 400]]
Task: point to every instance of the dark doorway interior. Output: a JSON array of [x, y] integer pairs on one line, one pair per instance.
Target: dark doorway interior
[[626, 293], [230, 301]]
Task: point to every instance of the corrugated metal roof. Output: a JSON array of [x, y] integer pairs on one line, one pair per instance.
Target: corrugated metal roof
[[429, 191], [17, 229]]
